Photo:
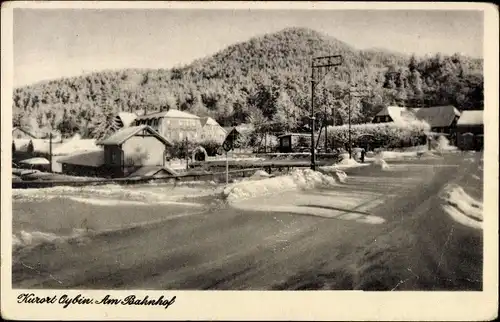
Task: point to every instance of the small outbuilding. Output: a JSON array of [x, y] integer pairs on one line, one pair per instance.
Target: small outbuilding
[[87, 164], [294, 142], [131, 148], [470, 130]]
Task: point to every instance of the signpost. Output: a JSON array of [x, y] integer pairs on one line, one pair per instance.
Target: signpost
[[228, 146]]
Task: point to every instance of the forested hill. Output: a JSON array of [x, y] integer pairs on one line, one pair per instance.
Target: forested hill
[[265, 80]]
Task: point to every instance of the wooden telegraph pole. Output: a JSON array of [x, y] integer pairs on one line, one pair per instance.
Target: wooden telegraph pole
[[354, 92], [320, 66]]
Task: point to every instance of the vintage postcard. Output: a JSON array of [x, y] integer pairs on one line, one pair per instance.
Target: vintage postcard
[[249, 160]]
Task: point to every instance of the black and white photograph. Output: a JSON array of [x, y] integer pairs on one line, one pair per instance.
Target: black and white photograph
[[240, 148]]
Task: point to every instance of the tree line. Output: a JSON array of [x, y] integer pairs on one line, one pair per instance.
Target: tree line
[[264, 81]]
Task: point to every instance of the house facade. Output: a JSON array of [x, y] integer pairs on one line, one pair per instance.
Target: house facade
[[470, 130], [173, 125], [211, 130], [132, 148]]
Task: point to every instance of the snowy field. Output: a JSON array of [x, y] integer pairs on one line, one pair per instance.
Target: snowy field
[[71, 213]]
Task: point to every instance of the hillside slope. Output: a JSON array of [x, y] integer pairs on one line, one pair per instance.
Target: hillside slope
[[264, 80]]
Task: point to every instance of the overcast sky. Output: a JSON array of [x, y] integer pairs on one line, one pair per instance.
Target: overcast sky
[[52, 43]]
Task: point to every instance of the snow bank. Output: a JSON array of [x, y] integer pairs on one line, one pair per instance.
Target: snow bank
[[380, 163], [394, 155], [142, 193], [334, 171], [260, 174], [462, 207], [443, 144], [298, 179], [27, 239], [348, 162], [429, 155]]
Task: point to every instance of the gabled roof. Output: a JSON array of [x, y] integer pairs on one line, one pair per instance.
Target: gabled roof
[[125, 118], [398, 114], [124, 134], [149, 171], [91, 159], [172, 113], [208, 121], [24, 131], [241, 128], [438, 116], [471, 118]]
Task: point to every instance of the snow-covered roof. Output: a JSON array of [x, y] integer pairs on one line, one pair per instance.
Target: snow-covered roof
[[35, 161], [398, 114], [438, 116], [76, 145], [170, 113], [208, 121], [124, 134], [471, 118], [149, 171], [126, 118], [93, 159]]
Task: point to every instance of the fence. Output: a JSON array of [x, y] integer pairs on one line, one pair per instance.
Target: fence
[[215, 176]]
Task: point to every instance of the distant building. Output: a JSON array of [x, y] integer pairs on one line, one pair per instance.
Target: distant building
[[295, 142], [442, 119], [470, 130], [394, 114], [238, 135], [174, 125], [123, 119], [129, 149], [211, 130]]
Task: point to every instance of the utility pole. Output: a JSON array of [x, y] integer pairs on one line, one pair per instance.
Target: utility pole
[[325, 120], [50, 151], [354, 92], [320, 66], [333, 124]]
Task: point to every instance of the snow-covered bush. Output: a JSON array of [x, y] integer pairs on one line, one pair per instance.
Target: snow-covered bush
[[380, 134]]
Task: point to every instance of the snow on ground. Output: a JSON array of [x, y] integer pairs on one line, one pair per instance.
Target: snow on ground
[[73, 214], [443, 144], [260, 174], [297, 179], [113, 193], [321, 202], [380, 163], [462, 207], [26, 239], [394, 155], [334, 171]]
